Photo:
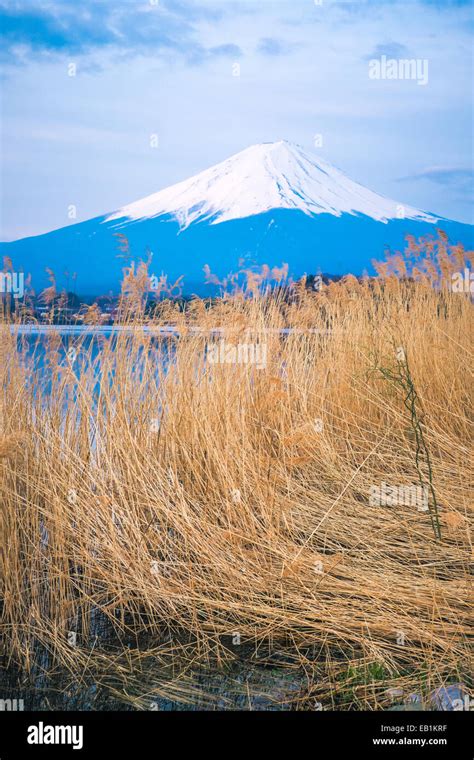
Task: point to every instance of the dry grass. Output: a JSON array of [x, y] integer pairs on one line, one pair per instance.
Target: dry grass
[[184, 502]]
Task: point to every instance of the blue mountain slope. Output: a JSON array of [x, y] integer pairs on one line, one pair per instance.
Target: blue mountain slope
[[270, 204], [335, 245]]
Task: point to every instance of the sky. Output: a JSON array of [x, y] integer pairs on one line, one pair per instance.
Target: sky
[[104, 102]]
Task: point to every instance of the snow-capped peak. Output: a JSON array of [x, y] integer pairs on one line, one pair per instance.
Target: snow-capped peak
[[267, 176]]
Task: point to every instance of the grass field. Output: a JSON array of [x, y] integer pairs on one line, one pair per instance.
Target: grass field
[[175, 513]]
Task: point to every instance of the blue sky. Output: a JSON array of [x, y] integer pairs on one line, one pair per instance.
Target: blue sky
[[167, 68]]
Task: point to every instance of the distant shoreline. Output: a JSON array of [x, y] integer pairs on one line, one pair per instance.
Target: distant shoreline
[[31, 329]]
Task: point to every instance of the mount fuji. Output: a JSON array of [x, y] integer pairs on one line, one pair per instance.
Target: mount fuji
[[272, 203]]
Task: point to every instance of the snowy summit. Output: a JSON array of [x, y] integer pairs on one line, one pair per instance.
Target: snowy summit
[[264, 177]]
